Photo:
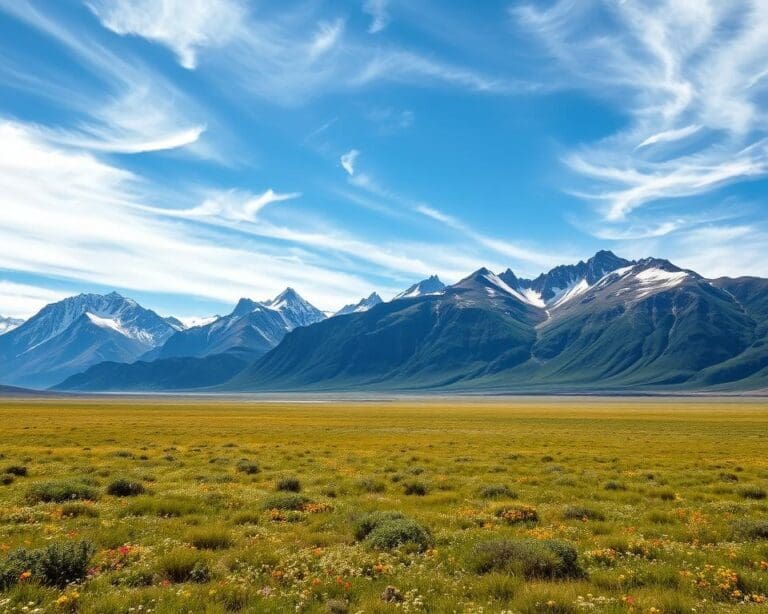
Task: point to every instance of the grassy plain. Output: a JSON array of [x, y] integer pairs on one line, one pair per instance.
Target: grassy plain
[[525, 506]]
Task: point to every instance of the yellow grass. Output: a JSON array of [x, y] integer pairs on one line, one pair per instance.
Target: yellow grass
[[663, 485]]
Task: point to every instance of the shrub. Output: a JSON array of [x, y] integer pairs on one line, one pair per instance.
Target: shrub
[[285, 501], [370, 521], [73, 510], [165, 508], [6, 479], [247, 467], [753, 492], [752, 529], [497, 491], [246, 518], [57, 564], [210, 539], [59, 492], [515, 514], [124, 487], [580, 512], [289, 485], [612, 485], [397, 532], [336, 606], [17, 470], [371, 485], [184, 565], [529, 558], [415, 488]]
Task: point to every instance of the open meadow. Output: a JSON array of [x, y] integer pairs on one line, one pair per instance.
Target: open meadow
[[557, 506]]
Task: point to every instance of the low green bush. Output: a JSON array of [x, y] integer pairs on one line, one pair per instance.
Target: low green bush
[[285, 501], [752, 529], [753, 492], [59, 492], [528, 558], [582, 512], [57, 564], [124, 487], [497, 491], [17, 470], [289, 485], [370, 521], [210, 538], [184, 565], [247, 467], [389, 529], [415, 488]]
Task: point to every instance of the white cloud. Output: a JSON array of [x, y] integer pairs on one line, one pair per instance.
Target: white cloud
[[286, 54], [182, 25], [136, 110], [677, 68], [70, 215], [348, 161], [521, 254], [326, 38], [233, 205], [380, 18], [23, 300], [667, 136]]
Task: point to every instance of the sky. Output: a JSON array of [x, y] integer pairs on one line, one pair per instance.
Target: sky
[[187, 153]]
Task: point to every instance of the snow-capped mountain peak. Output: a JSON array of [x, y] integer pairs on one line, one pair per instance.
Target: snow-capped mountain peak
[[430, 285], [364, 305], [295, 310]]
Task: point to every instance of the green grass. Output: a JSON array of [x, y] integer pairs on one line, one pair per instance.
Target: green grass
[[438, 506]]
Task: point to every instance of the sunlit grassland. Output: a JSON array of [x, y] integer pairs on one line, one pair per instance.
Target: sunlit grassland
[[216, 506]]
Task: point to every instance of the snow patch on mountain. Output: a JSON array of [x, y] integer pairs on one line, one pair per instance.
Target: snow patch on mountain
[[654, 279], [567, 294], [533, 297]]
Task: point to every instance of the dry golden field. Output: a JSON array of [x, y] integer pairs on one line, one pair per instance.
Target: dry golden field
[[436, 505]]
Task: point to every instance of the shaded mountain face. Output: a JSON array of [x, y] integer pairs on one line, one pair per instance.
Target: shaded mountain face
[[431, 285], [8, 324], [252, 327], [167, 374], [364, 305], [477, 326], [604, 324], [69, 336]]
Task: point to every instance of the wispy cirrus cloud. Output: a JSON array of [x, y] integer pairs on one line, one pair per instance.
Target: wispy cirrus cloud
[[689, 75], [21, 300], [185, 26], [137, 110], [527, 257], [286, 54], [378, 10], [232, 205]]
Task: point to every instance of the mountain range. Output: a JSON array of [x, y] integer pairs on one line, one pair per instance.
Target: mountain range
[[606, 324]]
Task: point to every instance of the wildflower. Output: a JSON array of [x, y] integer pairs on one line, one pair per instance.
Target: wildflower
[[25, 575]]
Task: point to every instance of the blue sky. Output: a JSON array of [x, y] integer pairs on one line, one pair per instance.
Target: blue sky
[[190, 152]]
